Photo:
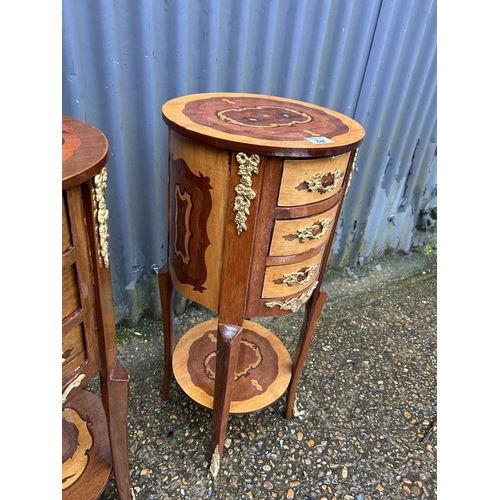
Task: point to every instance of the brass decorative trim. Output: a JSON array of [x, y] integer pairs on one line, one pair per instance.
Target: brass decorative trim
[[296, 411], [315, 184], [308, 232], [102, 215], [307, 274], [244, 191], [296, 303], [215, 462], [71, 386], [352, 170]]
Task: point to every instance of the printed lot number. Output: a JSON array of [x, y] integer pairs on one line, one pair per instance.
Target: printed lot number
[[319, 140]]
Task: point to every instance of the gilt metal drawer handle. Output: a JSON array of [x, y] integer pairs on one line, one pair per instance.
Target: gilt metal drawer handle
[[296, 303], [304, 276], [316, 231], [315, 183], [75, 383], [244, 191]]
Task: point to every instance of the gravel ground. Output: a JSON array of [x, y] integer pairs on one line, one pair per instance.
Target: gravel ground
[[367, 405]]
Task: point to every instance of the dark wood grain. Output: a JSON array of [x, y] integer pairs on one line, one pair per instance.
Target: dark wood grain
[[115, 391], [198, 203], [262, 371], [86, 454], [313, 310], [88, 324], [225, 136], [228, 348], [273, 263], [238, 251], [166, 298], [84, 151], [79, 332]]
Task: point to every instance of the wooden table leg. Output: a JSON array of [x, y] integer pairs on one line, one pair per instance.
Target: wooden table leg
[[115, 401], [166, 299], [313, 310], [228, 348]]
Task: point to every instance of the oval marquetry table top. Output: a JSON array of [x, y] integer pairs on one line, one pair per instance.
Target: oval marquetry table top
[[263, 124], [84, 151], [263, 371]]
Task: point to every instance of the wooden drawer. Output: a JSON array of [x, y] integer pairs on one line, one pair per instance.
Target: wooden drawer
[[310, 181], [79, 331], [73, 351], [280, 281], [295, 236], [70, 296]]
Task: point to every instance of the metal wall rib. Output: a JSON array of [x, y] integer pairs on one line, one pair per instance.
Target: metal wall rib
[[374, 60]]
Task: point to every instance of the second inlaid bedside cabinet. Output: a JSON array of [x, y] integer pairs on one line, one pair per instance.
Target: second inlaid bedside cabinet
[[256, 185]]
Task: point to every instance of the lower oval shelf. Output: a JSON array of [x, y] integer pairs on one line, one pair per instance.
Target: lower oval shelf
[[263, 371], [86, 455]]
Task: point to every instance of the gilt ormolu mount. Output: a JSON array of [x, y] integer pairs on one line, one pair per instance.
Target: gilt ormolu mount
[[256, 184]]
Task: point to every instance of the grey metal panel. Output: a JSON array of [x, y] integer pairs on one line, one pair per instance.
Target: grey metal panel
[[397, 107], [374, 60]]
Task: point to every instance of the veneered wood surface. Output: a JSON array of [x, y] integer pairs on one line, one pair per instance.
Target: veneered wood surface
[[66, 231], [79, 334], [263, 231], [294, 190], [88, 326], [114, 380], [285, 239], [267, 374], [238, 249], [262, 124], [86, 454], [74, 353], [167, 306], [84, 151], [311, 317], [202, 161], [115, 396], [276, 202], [71, 298], [276, 286], [228, 339]]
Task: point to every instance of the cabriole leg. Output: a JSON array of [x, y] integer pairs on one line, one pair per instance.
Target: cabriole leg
[[166, 299], [313, 310], [228, 348], [115, 399]]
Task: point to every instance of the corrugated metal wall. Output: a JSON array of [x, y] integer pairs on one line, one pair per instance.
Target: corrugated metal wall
[[374, 60]]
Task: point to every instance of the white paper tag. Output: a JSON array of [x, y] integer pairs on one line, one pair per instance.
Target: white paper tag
[[319, 140]]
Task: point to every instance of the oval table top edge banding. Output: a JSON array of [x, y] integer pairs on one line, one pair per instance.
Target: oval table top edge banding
[[225, 130], [84, 152]]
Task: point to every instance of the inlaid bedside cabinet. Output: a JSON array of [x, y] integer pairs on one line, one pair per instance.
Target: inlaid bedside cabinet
[[94, 429], [256, 184]]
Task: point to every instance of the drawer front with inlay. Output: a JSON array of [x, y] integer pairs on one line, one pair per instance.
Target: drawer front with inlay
[[310, 181], [280, 281], [296, 236]]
